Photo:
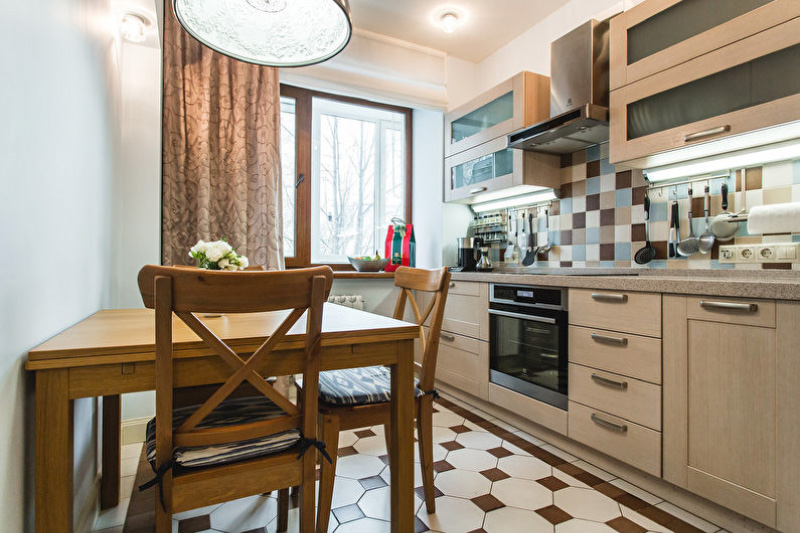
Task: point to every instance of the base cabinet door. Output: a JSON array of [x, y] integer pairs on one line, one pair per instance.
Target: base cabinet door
[[720, 403], [464, 363]]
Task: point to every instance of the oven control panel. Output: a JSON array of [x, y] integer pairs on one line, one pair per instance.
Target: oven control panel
[[545, 297]]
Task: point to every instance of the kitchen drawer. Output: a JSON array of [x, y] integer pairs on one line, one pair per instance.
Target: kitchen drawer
[[629, 355], [732, 311], [631, 312], [464, 364], [534, 410], [631, 443], [625, 397], [466, 311]]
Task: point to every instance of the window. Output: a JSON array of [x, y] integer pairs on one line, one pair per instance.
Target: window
[[357, 155]]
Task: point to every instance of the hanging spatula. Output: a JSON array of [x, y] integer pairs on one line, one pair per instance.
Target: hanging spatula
[[530, 253]]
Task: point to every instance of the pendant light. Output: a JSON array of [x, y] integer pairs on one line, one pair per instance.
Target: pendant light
[[276, 33]]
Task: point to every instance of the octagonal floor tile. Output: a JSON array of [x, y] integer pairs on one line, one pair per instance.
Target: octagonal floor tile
[[510, 519], [375, 445], [364, 525], [387, 476], [244, 514], [346, 492], [479, 441], [439, 453], [525, 467], [472, 460], [359, 466], [587, 504], [453, 515], [522, 493], [446, 419], [441, 434], [462, 484], [576, 525], [347, 438]]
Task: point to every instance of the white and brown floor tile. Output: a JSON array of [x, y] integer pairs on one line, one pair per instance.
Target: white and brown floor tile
[[489, 476]]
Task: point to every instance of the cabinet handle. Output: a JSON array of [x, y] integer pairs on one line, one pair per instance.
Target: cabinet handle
[[476, 190], [619, 341], [729, 306], [622, 428], [706, 133], [452, 284], [448, 338], [621, 385], [616, 298]]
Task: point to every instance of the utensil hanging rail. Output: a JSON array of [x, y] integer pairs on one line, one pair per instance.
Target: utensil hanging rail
[[733, 218]]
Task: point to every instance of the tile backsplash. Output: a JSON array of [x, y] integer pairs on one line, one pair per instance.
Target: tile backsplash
[[599, 220]]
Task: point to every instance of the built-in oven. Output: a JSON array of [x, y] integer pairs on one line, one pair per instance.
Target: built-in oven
[[528, 341]]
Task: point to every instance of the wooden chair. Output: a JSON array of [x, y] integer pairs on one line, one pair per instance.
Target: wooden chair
[[355, 398], [230, 447]]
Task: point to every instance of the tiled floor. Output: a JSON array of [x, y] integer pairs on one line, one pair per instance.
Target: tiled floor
[[490, 477]]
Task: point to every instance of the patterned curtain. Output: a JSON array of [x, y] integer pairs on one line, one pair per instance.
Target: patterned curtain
[[221, 152]]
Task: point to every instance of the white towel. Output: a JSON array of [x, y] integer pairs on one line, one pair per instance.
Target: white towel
[[776, 218]]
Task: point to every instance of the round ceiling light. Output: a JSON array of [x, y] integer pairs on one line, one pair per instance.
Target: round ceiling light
[[449, 22], [277, 33], [133, 27]]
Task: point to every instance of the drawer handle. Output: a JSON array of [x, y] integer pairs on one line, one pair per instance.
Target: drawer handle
[[622, 428], [706, 133], [619, 341], [729, 306], [448, 338], [621, 385], [616, 298], [452, 284], [476, 190]]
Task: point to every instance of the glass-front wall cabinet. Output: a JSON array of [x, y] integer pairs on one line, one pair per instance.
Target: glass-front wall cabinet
[[659, 34], [745, 86]]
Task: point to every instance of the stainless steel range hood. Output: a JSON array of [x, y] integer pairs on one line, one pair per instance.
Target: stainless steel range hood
[[578, 94]]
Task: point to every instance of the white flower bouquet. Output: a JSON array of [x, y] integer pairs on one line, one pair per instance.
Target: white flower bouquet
[[217, 255]]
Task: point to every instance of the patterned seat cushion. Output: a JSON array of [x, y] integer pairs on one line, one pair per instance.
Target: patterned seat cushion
[[358, 386], [228, 413]]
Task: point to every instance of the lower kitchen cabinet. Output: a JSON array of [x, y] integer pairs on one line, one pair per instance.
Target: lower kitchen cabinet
[[463, 362], [731, 371]]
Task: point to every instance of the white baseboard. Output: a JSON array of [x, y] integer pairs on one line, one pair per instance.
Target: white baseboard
[[134, 430], [90, 510]]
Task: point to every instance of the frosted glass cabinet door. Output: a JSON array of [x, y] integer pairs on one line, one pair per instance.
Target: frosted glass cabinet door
[[517, 102], [485, 168], [745, 86], [659, 34]]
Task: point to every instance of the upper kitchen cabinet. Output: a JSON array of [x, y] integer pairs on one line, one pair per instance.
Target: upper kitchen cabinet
[[659, 34], [750, 84], [492, 166], [521, 101]]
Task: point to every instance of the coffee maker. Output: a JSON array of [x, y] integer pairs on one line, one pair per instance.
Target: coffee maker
[[469, 252]]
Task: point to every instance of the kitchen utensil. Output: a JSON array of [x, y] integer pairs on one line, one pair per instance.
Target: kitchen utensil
[[510, 245], [720, 227], [530, 253], [673, 220], [648, 253], [547, 247], [706, 241], [484, 265], [690, 245]]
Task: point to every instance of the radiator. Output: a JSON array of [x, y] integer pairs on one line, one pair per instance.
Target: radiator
[[356, 301]]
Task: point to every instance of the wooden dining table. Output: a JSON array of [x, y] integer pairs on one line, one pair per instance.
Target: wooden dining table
[[112, 352]]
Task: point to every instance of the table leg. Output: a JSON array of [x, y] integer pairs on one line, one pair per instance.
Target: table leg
[[53, 452], [109, 483], [402, 439]]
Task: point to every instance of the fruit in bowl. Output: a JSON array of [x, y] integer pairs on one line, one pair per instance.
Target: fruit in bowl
[[366, 263]]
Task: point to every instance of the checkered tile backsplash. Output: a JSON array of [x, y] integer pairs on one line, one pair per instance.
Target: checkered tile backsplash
[[599, 220]]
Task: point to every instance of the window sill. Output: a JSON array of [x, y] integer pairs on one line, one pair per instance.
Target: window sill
[[343, 274]]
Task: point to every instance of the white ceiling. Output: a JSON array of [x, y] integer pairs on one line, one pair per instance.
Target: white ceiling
[[486, 26]]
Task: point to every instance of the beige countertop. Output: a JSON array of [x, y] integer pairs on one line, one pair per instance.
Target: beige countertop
[[766, 284]]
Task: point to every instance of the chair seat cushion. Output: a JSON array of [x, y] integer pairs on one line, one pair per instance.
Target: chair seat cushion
[[228, 413], [358, 386]]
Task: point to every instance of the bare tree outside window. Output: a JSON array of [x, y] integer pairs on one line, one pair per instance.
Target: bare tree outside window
[[359, 177], [288, 167]]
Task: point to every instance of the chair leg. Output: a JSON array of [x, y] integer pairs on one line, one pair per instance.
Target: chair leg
[[283, 510], [425, 438], [330, 434], [387, 436]]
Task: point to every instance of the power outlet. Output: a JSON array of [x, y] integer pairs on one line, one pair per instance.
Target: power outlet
[[727, 254], [745, 254], [767, 253]]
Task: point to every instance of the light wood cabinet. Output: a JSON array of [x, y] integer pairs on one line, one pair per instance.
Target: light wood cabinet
[[629, 312], [659, 34], [750, 83], [727, 436], [516, 103]]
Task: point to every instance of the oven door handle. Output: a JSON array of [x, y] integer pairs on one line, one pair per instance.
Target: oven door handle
[[543, 319]]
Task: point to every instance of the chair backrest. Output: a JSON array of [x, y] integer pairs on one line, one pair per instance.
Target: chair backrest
[[184, 291], [436, 283]]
